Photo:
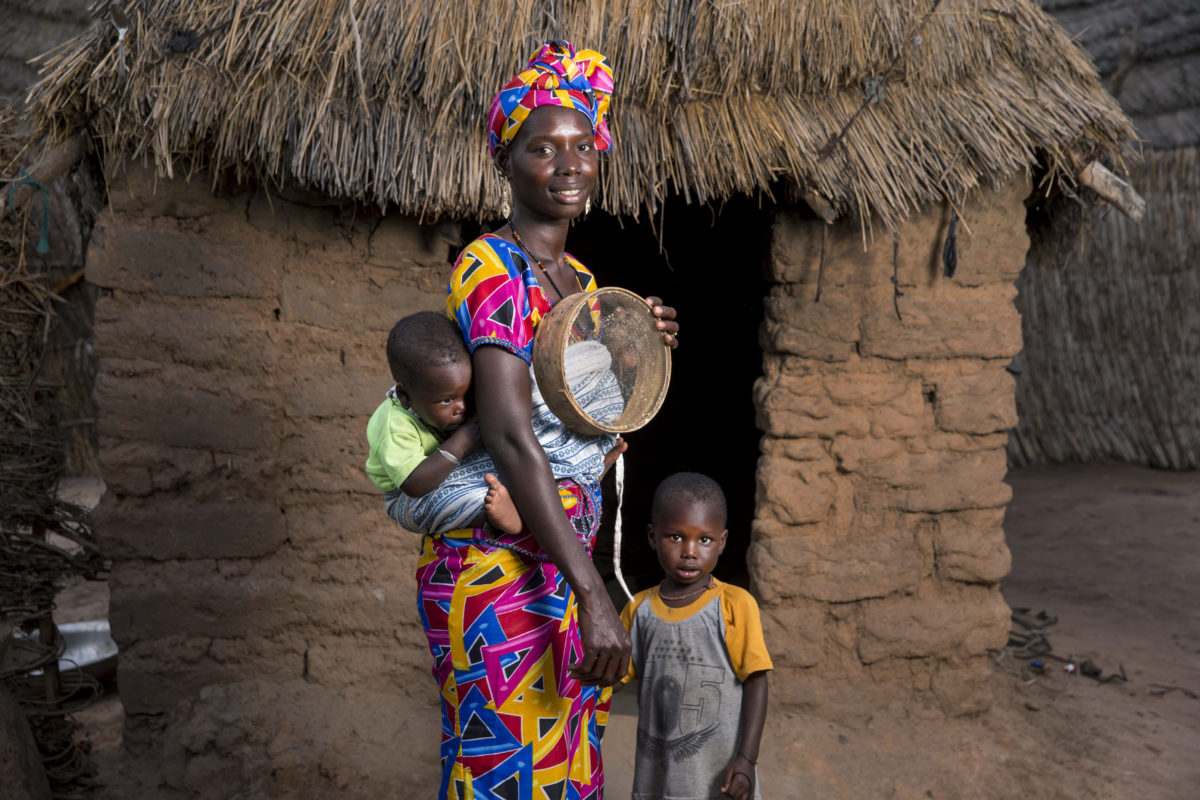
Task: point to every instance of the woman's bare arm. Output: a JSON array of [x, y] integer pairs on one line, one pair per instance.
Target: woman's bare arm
[[503, 407]]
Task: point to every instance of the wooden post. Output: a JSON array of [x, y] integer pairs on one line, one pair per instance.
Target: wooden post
[[819, 204], [1099, 179], [54, 162], [48, 637]]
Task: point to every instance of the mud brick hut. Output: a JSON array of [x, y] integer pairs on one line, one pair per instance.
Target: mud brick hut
[[287, 178], [1109, 372]]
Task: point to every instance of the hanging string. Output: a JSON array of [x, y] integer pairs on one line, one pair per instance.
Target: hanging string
[[620, 468], [43, 245], [950, 249], [896, 293], [821, 268]]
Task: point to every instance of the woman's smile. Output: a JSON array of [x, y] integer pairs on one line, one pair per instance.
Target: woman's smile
[[569, 195]]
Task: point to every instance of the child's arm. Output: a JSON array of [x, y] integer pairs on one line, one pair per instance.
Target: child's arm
[[740, 773], [627, 614], [430, 473]]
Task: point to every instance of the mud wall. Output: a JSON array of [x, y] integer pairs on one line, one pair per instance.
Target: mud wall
[[263, 604], [878, 545]]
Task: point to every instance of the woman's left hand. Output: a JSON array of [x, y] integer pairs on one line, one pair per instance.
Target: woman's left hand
[[665, 321]]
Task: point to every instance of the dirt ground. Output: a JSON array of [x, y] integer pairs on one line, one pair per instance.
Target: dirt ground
[[1111, 554]]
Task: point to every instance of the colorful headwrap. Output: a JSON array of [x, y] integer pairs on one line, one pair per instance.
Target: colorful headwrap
[[555, 76]]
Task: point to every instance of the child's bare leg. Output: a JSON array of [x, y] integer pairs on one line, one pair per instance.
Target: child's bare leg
[[499, 506]]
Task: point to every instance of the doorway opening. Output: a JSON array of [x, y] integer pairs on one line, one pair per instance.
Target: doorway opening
[[711, 269]]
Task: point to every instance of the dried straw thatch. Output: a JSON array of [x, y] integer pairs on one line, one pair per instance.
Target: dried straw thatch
[[1108, 307], [32, 434], [1148, 52], [1109, 370], [32, 27], [34, 567], [383, 101]]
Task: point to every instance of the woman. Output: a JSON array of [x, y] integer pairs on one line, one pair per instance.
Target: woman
[[524, 638]]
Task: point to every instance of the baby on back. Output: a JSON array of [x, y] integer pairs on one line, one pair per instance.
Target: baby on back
[[424, 428]]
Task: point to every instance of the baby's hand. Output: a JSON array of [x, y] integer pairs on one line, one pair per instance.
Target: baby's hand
[[466, 439], [738, 782]]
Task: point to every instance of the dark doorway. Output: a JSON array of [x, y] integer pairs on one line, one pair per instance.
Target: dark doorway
[[711, 270]]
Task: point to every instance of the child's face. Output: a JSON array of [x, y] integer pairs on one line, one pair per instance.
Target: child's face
[[439, 396], [688, 537]]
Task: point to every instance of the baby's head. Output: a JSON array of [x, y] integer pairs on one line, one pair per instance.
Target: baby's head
[[687, 527], [431, 368]]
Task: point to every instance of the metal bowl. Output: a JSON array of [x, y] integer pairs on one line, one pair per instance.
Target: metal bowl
[[90, 646]]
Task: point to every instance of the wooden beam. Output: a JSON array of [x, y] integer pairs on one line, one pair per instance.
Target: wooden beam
[[1099, 179], [54, 162], [819, 204]]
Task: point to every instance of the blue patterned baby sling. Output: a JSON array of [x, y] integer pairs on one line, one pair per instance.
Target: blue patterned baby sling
[[459, 498]]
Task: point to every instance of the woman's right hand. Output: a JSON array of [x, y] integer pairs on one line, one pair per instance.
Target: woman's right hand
[[606, 645], [502, 396]]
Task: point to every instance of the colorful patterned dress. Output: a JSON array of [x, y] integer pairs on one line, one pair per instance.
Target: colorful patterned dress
[[501, 621]]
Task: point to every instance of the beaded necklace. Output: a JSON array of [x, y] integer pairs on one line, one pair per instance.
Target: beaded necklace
[[677, 597], [538, 261]]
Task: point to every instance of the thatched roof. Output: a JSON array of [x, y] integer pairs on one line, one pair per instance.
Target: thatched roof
[[31, 27], [1148, 54], [1108, 308], [383, 101]]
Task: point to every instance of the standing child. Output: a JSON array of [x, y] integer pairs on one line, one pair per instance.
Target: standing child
[[422, 429], [699, 655]]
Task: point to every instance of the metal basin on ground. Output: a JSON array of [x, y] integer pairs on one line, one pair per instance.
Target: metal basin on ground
[[90, 646]]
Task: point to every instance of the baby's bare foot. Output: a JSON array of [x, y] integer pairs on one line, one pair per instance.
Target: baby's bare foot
[[499, 506]]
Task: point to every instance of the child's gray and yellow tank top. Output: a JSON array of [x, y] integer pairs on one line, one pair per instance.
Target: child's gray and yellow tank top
[[690, 663]]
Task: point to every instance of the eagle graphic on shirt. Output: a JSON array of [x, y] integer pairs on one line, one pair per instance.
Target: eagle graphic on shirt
[[655, 739]]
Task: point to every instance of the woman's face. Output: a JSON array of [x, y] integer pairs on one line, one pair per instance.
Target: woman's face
[[551, 163]]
